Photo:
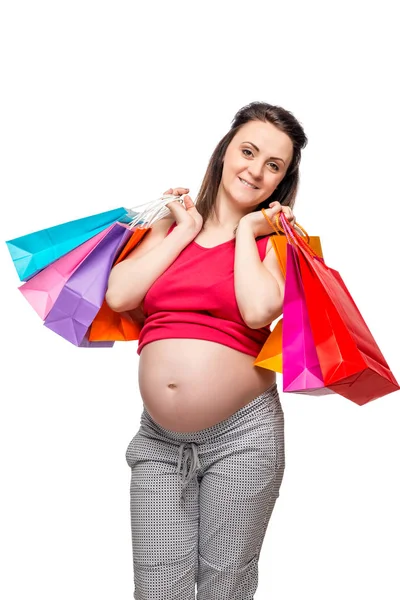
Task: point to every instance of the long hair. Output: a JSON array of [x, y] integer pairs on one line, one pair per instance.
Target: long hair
[[286, 191]]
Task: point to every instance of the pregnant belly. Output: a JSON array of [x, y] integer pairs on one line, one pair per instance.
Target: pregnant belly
[[189, 384]]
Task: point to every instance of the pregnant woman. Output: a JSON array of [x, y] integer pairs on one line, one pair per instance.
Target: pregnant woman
[[208, 459]]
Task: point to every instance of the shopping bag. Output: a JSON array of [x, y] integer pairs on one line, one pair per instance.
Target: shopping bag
[[32, 252], [350, 359], [82, 296], [86, 343], [279, 244], [270, 356], [301, 369], [109, 324], [43, 289], [351, 362], [69, 296]]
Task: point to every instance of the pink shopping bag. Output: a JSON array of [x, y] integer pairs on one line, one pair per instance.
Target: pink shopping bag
[[301, 369], [43, 289]]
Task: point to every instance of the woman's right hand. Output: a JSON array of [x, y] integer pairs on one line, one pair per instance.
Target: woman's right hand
[[187, 217]]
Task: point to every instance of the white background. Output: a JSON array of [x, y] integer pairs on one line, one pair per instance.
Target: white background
[[108, 104]]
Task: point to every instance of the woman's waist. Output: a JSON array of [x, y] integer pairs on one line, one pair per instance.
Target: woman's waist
[[223, 332]]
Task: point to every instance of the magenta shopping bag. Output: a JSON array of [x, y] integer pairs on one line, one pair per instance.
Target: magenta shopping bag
[[43, 289], [82, 296], [301, 369]]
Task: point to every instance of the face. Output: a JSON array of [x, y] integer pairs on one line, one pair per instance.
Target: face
[[260, 154]]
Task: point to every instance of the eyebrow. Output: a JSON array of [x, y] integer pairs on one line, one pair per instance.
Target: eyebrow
[[258, 150]]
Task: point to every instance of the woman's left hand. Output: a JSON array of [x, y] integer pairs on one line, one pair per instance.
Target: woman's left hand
[[259, 223]]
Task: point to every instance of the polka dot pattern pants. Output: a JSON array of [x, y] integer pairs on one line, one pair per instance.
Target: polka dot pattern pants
[[201, 502]]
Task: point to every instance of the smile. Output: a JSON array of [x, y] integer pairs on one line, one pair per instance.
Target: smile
[[248, 184]]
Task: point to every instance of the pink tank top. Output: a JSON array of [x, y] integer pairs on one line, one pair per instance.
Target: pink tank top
[[195, 298]]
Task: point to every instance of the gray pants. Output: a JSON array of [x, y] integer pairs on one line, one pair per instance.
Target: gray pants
[[201, 502]]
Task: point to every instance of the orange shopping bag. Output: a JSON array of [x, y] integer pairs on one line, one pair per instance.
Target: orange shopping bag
[[112, 326], [270, 356]]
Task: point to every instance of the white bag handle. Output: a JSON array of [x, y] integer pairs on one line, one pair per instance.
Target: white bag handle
[[153, 211]]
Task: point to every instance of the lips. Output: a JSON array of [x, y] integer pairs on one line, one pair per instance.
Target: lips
[[255, 188]]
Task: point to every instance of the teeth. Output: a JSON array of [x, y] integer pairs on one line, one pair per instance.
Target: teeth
[[248, 184]]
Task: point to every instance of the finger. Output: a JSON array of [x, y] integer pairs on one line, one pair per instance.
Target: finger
[[287, 210], [276, 208], [290, 219], [168, 191], [290, 216], [188, 202], [179, 191], [173, 204]]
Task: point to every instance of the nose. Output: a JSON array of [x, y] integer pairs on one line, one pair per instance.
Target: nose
[[255, 170]]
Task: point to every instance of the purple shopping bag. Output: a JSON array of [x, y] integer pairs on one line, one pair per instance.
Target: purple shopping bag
[[82, 296], [301, 369]]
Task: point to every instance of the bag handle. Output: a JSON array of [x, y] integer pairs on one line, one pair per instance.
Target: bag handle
[[295, 238], [270, 222], [153, 211], [278, 229], [293, 227]]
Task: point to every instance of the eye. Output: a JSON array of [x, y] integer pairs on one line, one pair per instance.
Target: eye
[[247, 150]]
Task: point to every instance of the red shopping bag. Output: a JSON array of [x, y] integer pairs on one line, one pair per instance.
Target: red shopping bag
[[351, 362]]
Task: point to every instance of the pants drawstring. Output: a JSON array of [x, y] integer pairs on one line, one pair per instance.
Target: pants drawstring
[[184, 454]]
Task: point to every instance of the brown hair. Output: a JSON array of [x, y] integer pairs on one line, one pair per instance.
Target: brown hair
[[286, 191]]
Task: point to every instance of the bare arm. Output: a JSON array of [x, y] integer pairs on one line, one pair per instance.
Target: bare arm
[[130, 279], [259, 285]]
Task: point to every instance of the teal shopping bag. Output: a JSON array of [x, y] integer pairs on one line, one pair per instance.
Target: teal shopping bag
[[33, 252]]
